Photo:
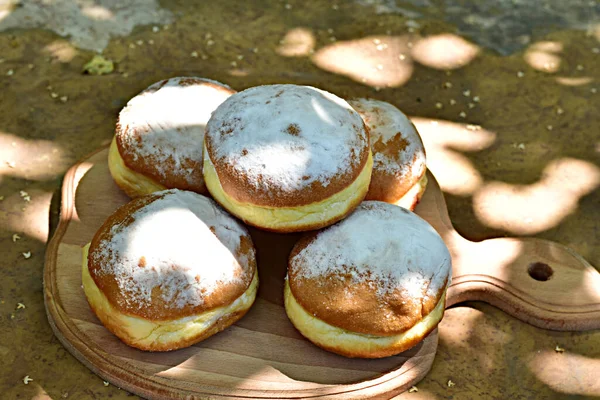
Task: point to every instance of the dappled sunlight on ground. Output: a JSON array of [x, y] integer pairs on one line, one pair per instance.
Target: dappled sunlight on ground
[[378, 61], [61, 50], [566, 372], [29, 159], [297, 42], [446, 51], [544, 56], [530, 209], [444, 142]]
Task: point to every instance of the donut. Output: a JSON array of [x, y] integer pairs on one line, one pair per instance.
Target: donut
[[168, 270], [399, 168], [159, 135], [287, 158], [370, 286]]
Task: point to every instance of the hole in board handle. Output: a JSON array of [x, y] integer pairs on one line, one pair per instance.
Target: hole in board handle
[[540, 271]]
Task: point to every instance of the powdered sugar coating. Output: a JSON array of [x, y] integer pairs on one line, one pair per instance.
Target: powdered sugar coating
[[284, 138], [387, 123], [181, 243], [164, 125], [380, 244]]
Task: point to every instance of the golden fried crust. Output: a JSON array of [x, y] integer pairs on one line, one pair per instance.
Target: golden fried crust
[[169, 174], [161, 310], [357, 307], [238, 187], [397, 149], [387, 186], [112, 325]]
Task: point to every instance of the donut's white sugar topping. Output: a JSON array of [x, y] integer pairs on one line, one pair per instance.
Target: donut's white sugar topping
[[170, 245], [383, 244], [171, 118], [286, 137], [385, 123]]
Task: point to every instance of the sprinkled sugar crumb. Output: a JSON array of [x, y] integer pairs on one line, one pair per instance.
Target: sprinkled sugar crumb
[[417, 265], [386, 122], [413, 389], [163, 234], [286, 137]]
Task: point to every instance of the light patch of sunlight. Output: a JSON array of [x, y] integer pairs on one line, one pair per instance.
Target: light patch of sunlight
[[574, 81], [97, 12], [444, 140], [377, 61], [543, 56], [7, 7], [29, 159], [30, 218], [445, 51], [238, 72], [566, 372], [40, 393], [297, 42], [62, 50], [530, 209]]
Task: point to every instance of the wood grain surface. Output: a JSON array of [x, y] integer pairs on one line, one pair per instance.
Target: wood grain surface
[[262, 356]]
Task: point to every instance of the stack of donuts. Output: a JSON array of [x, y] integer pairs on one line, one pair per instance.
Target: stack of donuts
[[201, 162]]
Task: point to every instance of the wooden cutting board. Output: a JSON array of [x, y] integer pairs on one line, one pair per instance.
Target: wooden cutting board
[[262, 355]]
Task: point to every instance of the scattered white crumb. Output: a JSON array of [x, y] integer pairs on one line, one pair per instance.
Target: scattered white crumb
[[462, 114], [64, 99], [20, 305], [15, 237], [27, 379], [520, 74], [447, 85], [476, 99], [467, 93], [580, 67], [139, 42], [452, 102], [155, 29], [559, 349], [27, 255], [439, 105], [450, 383], [413, 389], [105, 383], [521, 146], [549, 127], [194, 54], [54, 95], [10, 72]]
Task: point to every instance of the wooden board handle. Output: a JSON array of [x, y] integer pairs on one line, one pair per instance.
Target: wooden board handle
[[537, 281]]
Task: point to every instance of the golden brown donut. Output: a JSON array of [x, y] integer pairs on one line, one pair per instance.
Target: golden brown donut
[[399, 168], [372, 285], [287, 158], [168, 270], [159, 136]]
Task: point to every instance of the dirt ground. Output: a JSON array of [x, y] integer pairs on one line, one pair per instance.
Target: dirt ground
[[511, 123]]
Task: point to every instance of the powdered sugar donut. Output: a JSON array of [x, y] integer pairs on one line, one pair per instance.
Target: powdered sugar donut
[[372, 285], [399, 168], [287, 158], [159, 136], [168, 270]]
